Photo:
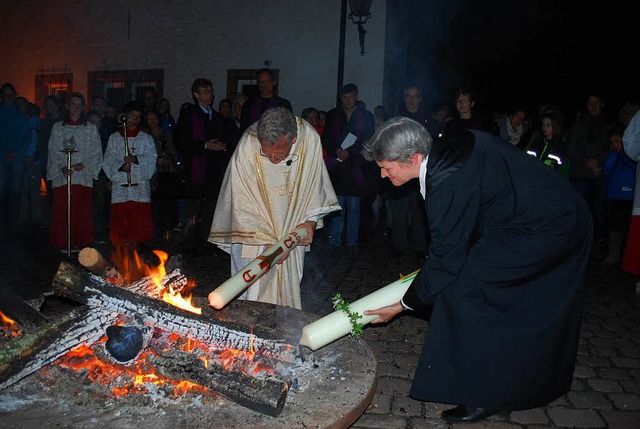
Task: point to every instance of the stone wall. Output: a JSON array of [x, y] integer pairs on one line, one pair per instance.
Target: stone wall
[[194, 38]]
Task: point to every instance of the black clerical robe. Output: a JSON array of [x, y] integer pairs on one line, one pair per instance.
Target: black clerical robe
[[510, 244]]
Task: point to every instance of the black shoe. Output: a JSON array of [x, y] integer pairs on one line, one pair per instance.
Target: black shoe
[[464, 414]]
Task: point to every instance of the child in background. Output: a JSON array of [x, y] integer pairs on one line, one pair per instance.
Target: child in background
[[621, 173]]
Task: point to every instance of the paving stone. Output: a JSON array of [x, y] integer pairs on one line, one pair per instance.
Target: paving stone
[[632, 352], [429, 424], [380, 404], [631, 386], [577, 384], [613, 373], [589, 400], [626, 362], [392, 369], [379, 346], [432, 410], [586, 332], [625, 342], [626, 401], [562, 401], [528, 417], [407, 360], [599, 331], [406, 406], [621, 419], [393, 386], [368, 421], [575, 418], [594, 361], [602, 342], [604, 385], [581, 371], [403, 347], [385, 356]]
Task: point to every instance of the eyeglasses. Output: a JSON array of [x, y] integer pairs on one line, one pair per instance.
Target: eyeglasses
[[463, 100], [206, 91]]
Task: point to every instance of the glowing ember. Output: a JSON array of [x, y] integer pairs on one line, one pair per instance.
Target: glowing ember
[[123, 380], [140, 375], [10, 328]]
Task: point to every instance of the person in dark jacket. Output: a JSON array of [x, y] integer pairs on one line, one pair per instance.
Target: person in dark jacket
[[347, 128], [620, 171], [505, 273], [199, 138], [587, 147], [264, 98]]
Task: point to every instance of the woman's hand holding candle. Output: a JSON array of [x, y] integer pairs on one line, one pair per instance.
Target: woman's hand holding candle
[[385, 313]]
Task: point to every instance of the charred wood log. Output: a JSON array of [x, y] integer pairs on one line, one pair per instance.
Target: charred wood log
[[266, 396], [173, 283], [33, 350], [24, 314], [87, 289]]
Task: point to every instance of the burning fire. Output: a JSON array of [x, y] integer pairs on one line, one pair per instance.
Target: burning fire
[[10, 328], [133, 267], [130, 379], [140, 375]]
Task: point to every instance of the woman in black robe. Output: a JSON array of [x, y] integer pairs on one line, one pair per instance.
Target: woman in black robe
[[510, 241]]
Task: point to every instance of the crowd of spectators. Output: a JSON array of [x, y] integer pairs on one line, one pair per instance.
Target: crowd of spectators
[[193, 149]]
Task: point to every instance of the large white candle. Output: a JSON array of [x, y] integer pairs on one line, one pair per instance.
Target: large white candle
[[247, 276], [337, 324]]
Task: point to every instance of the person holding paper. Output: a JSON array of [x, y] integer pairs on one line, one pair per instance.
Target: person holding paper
[[505, 272], [347, 127], [276, 181]]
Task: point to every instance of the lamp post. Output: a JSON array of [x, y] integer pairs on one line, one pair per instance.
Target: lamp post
[[358, 15]]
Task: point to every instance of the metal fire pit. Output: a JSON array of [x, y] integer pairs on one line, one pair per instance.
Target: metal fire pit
[[332, 387]]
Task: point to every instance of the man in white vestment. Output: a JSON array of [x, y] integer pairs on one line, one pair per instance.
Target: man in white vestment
[[276, 181]]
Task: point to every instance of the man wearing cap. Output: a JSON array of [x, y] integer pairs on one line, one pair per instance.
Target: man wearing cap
[[347, 127]]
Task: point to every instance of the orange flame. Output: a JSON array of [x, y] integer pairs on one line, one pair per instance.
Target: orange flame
[[179, 301], [132, 267], [10, 327]]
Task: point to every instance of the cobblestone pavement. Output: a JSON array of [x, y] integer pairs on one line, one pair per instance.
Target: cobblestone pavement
[[606, 385]]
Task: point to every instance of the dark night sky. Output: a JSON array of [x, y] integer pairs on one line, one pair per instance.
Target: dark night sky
[[525, 52]]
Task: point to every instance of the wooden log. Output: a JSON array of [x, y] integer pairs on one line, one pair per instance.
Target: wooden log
[[88, 289], [173, 283], [27, 354], [93, 261], [266, 396]]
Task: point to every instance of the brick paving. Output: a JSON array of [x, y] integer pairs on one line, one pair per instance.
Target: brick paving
[[606, 387]]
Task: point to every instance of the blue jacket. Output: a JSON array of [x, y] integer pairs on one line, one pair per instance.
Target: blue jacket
[[621, 172], [14, 134]]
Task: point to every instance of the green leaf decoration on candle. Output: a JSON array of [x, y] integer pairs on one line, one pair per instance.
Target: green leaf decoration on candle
[[340, 304]]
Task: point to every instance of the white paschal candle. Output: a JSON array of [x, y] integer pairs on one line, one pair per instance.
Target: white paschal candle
[[247, 276], [337, 324]]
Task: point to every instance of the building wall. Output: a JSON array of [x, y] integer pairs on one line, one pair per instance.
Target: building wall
[[194, 38]]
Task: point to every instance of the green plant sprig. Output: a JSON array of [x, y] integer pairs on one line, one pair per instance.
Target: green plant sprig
[[340, 304]]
